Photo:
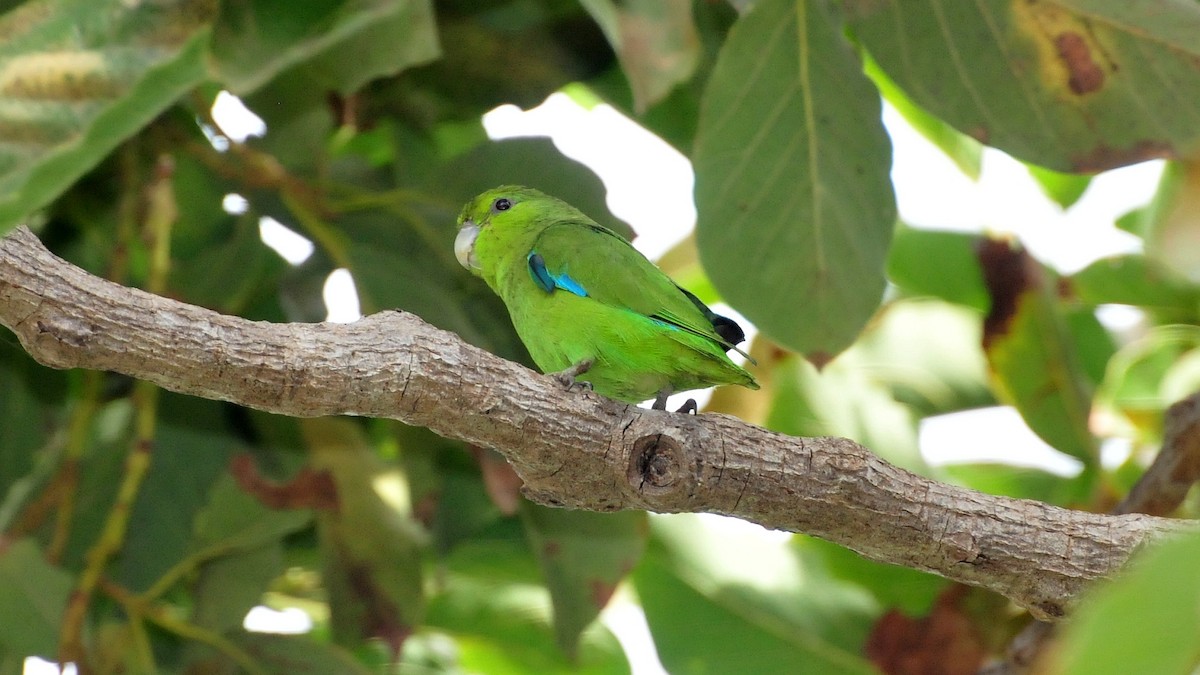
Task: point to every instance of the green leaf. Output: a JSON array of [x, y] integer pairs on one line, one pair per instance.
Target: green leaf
[[219, 260], [33, 595], [843, 399], [928, 354], [25, 423], [656, 42], [78, 78], [192, 447], [1063, 188], [534, 162], [1144, 621], [1015, 481], [583, 556], [342, 43], [228, 587], [1135, 382], [1048, 85], [893, 586], [500, 618], [1139, 281], [736, 603], [956, 278], [287, 654], [234, 520], [792, 179], [1037, 360], [401, 250]]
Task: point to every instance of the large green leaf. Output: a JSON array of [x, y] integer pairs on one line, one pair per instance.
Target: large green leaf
[[583, 556], [77, 77], [401, 250], [291, 655], [964, 151], [228, 587], [342, 43], [795, 204], [1074, 91], [219, 260], [1143, 622], [33, 595], [238, 540], [736, 603]]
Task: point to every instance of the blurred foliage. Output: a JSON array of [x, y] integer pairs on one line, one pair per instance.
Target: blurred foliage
[[138, 528]]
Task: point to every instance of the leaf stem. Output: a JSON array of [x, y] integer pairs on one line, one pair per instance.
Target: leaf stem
[[160, 215], [161, 616]]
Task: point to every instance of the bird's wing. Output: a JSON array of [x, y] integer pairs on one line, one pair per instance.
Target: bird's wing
[[591, 261]]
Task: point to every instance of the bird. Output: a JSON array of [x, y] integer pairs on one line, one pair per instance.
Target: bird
[[590, 308]]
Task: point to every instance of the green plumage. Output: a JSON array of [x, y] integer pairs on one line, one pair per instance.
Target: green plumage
[[578, 292]]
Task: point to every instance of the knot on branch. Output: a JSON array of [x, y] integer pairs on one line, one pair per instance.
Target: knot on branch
[[59, 337], [657, 465]]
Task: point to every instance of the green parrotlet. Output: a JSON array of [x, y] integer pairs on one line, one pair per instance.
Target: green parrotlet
[[589, 307]]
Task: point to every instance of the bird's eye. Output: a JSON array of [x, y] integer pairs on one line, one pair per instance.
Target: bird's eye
[[501, 204]]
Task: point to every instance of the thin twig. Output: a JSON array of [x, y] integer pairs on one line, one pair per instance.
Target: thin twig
[[1175, 470], [165, 619], [66, 481]]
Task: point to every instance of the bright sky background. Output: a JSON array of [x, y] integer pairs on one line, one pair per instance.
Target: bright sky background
[[650, 186]]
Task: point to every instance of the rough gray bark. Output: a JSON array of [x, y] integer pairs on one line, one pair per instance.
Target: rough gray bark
[[572, 449]]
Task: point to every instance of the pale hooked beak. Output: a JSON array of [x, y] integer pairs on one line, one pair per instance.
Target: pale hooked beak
[[464, 245]]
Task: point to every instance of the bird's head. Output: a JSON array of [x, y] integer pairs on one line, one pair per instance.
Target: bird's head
[[502, 217]]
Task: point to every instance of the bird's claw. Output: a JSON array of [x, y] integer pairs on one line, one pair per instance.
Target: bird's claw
[[569, 382], [567, 377], [660, 403]]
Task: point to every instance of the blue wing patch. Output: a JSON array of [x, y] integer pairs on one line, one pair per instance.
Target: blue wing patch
[[550, 282]]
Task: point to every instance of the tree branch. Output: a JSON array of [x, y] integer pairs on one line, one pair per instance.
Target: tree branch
[[578, 450], [1175, 469]]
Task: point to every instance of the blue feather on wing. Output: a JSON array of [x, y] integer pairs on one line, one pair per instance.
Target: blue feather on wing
[[550, 282]]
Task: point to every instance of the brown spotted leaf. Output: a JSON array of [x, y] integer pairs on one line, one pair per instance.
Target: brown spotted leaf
[[1081, 85], [1032, 349], [943, 643], [371, 548]]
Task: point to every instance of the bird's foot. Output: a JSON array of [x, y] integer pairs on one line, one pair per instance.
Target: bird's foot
[[660, 403], [567, 376]]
